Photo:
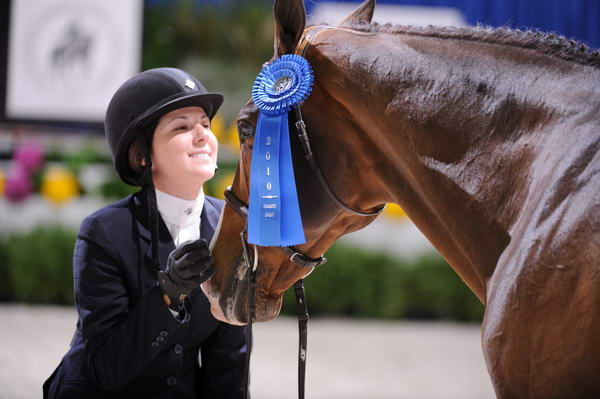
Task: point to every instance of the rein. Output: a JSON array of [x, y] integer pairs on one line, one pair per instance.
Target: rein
[[295, 256]]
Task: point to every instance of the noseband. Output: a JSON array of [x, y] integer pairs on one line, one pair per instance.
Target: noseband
[[294, 255]]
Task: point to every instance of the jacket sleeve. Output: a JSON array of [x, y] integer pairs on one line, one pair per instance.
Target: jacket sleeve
[[223, 357], [120, 338]]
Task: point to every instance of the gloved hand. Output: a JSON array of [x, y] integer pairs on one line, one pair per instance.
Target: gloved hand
[[188, 265]]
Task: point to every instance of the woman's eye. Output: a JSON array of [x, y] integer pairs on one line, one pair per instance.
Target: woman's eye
[[181, 128]]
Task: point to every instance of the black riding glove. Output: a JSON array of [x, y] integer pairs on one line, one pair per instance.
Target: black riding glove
[[188, 266]]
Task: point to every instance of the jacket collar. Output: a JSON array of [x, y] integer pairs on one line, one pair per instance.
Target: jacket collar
[[178, 211], [208, 221]]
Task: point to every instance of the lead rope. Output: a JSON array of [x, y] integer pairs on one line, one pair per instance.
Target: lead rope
[[302, 314], [251, 277]]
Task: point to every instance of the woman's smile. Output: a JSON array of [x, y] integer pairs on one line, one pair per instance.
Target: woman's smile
[[201, 155]]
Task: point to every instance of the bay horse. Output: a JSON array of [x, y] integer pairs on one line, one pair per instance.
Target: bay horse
[[489, 139]]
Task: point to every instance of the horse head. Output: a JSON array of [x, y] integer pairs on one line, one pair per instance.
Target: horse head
[[323, 221]]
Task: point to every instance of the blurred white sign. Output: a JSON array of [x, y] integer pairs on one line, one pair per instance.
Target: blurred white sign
[[333, 13], [67, 57]]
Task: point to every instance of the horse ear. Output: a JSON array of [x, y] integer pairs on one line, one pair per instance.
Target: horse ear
[[290, 20], [363, 14]]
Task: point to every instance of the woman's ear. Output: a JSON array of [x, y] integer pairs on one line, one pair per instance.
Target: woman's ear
[[290, 21], [136, 157]]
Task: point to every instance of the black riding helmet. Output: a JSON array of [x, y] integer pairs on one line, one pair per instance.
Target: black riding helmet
[[141, 101]]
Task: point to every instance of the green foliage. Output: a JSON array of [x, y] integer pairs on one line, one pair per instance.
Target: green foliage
[[36, 267], [437, 292], [224, 44], [74, 160], [5, 286], [114, 188], [359, 283], [229, 31], [86, 155], [39, 265]]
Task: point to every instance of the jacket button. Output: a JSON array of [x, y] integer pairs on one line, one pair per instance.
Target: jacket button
[[163, 333], [159, 339], [171, 381], [178, 349], [154, 344]]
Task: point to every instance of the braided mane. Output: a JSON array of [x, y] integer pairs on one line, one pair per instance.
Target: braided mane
[[545, 43]]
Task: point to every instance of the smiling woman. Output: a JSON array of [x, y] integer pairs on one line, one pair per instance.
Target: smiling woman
[[144, 325]]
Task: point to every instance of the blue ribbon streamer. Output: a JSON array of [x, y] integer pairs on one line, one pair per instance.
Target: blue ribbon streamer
[[274, 214]]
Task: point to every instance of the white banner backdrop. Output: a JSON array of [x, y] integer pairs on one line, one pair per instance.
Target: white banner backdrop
[[334, 12], [67, 57]]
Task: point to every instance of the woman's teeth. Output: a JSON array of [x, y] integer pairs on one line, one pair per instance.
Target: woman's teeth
[[202, 155]]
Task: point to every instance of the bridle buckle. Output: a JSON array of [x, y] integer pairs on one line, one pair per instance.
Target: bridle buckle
[[293, 256]]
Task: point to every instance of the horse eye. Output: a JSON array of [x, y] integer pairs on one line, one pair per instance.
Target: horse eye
[[246, 130]]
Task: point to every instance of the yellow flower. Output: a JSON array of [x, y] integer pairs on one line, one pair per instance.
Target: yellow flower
[[217, 126], [393, 211], [232, 139], [59, 185], [2, 182]]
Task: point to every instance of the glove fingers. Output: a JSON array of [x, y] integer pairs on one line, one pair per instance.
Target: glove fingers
[[200, 245], [190, 270], [202, 274], [192, 258]]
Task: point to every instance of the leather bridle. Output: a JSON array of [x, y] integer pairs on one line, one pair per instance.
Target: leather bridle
[[294, 255]]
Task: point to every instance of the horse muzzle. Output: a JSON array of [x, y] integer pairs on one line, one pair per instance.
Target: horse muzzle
[[229, 303]]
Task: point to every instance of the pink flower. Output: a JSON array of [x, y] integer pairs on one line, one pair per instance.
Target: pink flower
[[30, 155], [18, 183]]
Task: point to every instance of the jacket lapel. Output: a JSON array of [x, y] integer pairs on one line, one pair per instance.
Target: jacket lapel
[[208, 220]]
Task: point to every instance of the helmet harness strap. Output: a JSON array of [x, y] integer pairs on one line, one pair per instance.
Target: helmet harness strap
[[148, 184]]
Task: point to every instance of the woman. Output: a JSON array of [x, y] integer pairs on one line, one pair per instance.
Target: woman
[[145, 329]]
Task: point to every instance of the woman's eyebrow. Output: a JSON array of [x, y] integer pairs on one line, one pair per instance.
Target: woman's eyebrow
[[175, 119], [184, 117]]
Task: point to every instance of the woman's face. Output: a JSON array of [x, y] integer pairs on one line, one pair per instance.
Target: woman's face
[[184, 149]]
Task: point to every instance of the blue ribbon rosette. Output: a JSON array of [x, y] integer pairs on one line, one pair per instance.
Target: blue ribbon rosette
[[274, 215]]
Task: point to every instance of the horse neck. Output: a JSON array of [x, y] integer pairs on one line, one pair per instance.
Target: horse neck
[[453, 132]]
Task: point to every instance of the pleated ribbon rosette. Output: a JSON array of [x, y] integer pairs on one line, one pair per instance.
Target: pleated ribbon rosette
[[274, 215]]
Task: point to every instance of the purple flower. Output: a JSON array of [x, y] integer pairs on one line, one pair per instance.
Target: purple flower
[[18, 183], [30, 155]]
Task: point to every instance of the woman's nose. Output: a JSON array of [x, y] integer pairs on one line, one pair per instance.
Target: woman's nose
[[199, 132]]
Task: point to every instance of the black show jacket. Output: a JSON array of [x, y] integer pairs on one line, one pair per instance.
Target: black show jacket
[[127, 343]]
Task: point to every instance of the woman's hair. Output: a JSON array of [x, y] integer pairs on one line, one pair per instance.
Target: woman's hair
[[139, 148], [137, 156]]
